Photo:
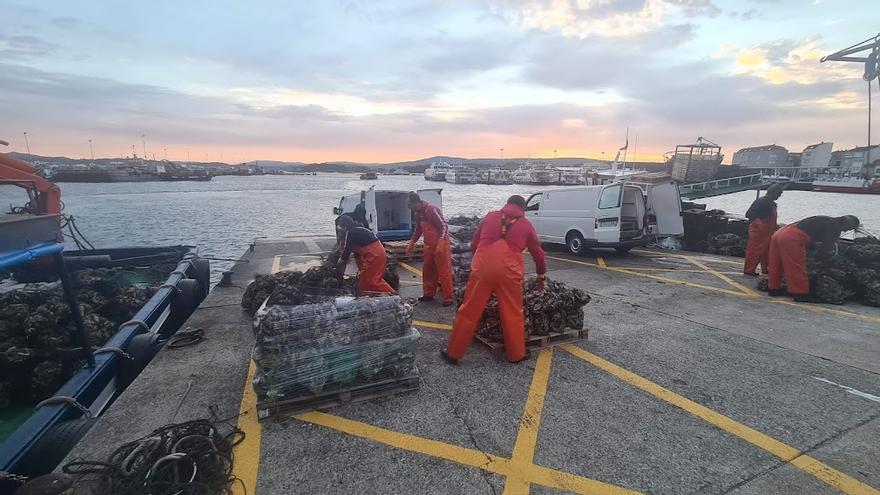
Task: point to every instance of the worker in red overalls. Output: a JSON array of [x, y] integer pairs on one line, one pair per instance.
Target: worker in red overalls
[[497, 268], [437, 267], [369, 254], [788, 254], [762, 226]]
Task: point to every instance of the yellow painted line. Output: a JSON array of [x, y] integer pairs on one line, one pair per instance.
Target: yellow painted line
[[653, 277], [804, 306], [823, 472], [276, 263], [410, 268], [682, 270], [468, 457], [601, 262], [703, 258], [530, 423], [247, 453], [741, 287], [409, 282]]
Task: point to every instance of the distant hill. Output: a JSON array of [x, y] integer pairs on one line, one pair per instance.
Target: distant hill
[[356, 167]]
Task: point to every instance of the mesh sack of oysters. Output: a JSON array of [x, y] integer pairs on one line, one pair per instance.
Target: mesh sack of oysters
[[316, 284], [853, 274], [36, 349], [461, 232], [554, 309], [312, 348]]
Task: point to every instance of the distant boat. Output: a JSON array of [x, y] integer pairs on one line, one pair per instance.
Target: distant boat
[[536, 174], [496, 176], [369, 176], [437, 171], [459, 174], [854, 185]]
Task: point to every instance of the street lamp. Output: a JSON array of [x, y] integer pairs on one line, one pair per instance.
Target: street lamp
[[26, 143], [91, 150], [144, 142]]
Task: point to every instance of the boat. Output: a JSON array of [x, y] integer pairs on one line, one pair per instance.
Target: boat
[[496, 176], [571, 177], [536, 174], [459, 174], [369, 176], [852, 185], [437, 171]]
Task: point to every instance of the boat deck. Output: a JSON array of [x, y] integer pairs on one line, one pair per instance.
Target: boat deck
[[690, 382]]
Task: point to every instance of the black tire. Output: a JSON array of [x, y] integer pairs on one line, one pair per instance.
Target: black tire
[[51, 448], [574, 241], [623, 249], [202, 274], [142, 348], [186, 299]]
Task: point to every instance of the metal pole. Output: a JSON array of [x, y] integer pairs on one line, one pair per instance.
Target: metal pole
[[82, 340], [91, 150], [144, 142], [867, 166], [27, 143]]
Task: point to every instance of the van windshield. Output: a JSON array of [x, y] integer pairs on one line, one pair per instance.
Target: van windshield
[[610, 197], [534, 203]]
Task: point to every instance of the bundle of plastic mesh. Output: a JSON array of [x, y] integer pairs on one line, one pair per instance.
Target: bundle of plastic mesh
[[312, 348], [554, 309]]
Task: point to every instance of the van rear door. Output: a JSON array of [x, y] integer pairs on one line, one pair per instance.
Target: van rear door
[[607, 223], [665, 203], [433, 196], [368, 198]]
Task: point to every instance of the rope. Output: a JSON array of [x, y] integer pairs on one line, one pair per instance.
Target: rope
[[116, 350], [192, 458], [63, 399], [185, 338], [140, 323]]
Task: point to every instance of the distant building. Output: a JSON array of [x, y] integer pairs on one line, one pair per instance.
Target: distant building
[[768, 156], [851, 161], [794, 159], [817, 155]]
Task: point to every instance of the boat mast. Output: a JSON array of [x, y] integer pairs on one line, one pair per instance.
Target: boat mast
[[872, 70]]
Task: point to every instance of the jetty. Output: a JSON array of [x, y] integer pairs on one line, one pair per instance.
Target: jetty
[[689, 381]]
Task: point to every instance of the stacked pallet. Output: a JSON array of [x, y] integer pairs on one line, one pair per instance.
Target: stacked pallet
[[396, 250], [321, 355]]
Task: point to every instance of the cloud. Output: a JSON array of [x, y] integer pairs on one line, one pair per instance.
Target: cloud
[[790, 61], [15, 45]]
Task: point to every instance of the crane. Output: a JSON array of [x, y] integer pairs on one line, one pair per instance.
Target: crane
[[45, 197]]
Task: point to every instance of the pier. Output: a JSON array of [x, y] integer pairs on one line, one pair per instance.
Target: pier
[[690, 381]]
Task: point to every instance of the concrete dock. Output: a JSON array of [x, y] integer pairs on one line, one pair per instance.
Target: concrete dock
[[690, 382]]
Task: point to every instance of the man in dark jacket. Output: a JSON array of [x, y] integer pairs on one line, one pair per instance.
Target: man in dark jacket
[[762, 217], [788, 253]]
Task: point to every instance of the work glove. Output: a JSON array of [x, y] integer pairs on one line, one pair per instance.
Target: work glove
[[340, 268], [410, 247], [542, 279]]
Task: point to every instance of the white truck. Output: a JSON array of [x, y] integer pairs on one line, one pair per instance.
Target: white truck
[[387, 211], [621, 215]]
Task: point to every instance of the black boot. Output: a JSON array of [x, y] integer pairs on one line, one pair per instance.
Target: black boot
[[805, 298], [528, 355], [775, 292], [447, 358]]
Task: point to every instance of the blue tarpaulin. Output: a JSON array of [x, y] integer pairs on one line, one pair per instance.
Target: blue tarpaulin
[[11, 258]]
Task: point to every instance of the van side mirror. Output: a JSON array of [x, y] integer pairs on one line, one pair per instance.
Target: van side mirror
[[337, 210]]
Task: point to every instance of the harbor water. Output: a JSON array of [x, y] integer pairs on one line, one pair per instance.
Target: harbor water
[[226, 214]]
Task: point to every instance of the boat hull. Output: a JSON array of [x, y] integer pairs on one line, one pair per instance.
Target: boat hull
[[875, 189]]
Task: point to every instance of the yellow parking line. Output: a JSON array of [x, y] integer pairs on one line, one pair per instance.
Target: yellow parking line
[[807, 307], [527, 436], [704, 258], [682, 270], [468, 457], [741, 287], [823, 472], [276, 263], [601, 262], [247, 453], [410, 268]]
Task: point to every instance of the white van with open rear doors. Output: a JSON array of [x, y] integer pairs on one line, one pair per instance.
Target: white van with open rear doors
[[621, 215], [387, 211]]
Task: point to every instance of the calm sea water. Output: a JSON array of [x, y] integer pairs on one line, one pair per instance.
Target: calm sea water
[[224, 215]]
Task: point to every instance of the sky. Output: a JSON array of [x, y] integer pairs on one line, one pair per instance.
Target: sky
[[374, 81]]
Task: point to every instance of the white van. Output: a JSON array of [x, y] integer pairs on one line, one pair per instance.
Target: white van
[[620, 215], [387, 211]]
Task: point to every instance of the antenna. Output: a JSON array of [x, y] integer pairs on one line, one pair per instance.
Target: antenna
[[26, 143]]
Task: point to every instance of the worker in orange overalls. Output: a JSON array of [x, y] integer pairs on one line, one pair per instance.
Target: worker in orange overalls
[[369, 254], [788, 254], [437, 267], [762, 217], [497, 268]]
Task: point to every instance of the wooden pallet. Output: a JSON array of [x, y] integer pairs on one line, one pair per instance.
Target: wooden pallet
[[396, 251], [348, 395], [538, 342]]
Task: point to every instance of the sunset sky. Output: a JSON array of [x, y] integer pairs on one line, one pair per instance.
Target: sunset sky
[[375, 81]]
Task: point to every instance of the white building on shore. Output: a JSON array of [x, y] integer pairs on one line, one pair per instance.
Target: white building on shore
[[817, 155], [767, 156]]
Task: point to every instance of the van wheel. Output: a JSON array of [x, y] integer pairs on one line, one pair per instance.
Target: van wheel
[[574, 241], [622, 249]]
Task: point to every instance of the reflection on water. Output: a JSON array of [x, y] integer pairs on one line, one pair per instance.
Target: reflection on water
[[224, 215]]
